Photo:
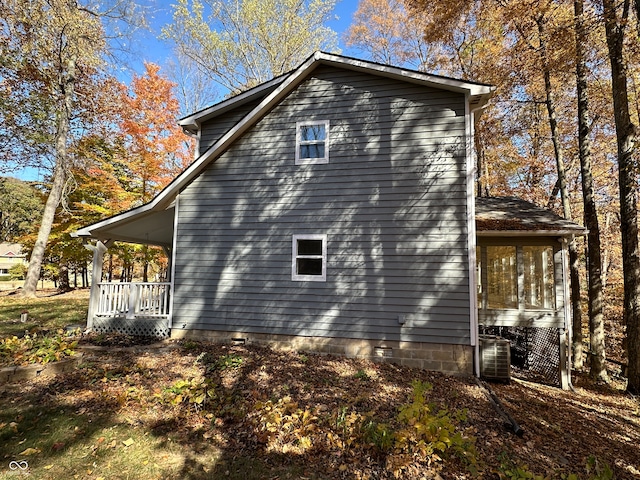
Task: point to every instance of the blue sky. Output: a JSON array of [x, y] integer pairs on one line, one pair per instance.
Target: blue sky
[[150, 48], [147, 47]]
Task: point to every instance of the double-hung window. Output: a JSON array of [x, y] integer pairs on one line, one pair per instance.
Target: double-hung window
[[312, 142], [309, 258]]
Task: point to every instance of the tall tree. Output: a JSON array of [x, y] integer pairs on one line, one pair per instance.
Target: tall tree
[[50, 46], [243, 43], [616, 20], [389, 34], [195, 89], [154, 147], [20, 208], [594, 260]]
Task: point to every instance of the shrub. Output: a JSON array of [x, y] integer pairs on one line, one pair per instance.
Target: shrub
[[18, 271], [38, 348], [283, 425], [194, 392], [428, 433]]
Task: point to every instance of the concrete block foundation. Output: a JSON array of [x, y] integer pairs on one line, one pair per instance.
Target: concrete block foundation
[[451, 359]]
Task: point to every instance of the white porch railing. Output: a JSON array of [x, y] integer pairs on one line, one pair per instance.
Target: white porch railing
[[133, 300]]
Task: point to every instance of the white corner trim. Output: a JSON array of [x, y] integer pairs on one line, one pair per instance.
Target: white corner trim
[[471, 232], [174, 251]]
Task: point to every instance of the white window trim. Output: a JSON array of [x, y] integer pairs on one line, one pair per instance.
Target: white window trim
[[304, 161], [295, 256]]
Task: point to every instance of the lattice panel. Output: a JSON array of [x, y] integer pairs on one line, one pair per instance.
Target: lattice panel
[[535, 349], [143, 327]]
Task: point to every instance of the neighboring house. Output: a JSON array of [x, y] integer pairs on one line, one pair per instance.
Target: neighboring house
[[332, 209], [10, 255]]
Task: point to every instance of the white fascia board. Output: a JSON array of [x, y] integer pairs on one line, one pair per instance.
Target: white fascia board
[[193, 121], [288, 84], [285, 85], [122, 217], [436, 81], [530, 233], [165, 198]]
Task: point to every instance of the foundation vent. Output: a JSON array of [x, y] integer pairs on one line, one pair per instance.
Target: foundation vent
[[384, 352]]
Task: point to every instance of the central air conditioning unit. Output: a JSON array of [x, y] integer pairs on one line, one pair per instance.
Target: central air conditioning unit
[[495, 358]]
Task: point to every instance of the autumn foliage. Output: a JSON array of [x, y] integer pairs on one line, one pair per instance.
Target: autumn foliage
[[154, 149]]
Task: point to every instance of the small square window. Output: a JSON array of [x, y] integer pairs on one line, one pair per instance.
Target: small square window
[[312, 142], [309, 258]]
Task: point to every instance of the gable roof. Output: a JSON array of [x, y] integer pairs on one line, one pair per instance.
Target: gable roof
[[11, 250], [479, 92], [273, 92], [511, 216]]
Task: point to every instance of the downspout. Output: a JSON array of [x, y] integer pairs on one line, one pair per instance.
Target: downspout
[[471, 232], [196, 135], [565, 381]]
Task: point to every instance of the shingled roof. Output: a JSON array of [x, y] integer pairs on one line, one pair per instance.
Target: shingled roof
[[514, 216]]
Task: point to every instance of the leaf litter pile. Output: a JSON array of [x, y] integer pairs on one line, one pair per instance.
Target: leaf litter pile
[[198, 410]]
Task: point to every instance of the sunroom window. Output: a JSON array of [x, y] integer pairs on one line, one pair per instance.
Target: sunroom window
[[538, 277], [516, 277], [502, 277], [312, 142]]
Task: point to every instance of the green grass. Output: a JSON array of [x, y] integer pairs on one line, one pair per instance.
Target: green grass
[[63, 442], [48, 313], [105, 421]]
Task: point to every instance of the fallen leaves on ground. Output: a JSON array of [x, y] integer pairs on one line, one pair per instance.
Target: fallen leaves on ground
[[328, 417]]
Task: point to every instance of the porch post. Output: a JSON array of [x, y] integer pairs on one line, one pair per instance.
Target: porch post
[[565, 376], [96, 276]]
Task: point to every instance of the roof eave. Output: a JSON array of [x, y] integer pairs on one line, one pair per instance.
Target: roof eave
[[530, 233], [481, 92], [282, 87], [192, 122]]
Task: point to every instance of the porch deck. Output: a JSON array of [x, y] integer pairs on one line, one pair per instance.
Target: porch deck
[[132, 308]]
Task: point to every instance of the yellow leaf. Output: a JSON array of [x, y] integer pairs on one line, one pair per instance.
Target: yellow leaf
[[30, 451], [48, 467]]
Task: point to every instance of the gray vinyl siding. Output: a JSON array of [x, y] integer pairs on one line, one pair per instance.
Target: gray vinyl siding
[[213, 130], [391, 200]]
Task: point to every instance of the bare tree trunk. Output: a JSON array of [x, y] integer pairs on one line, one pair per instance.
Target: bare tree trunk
[[63, 274], [67, 85], [110, 274], [574, 271], [626, 138], [598, 369], [145, 263], [482, 187]]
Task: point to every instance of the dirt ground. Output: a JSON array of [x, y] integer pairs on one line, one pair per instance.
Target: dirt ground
[[591, 431], [563, 430]]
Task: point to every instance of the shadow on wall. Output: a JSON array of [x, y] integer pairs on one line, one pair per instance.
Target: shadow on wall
[[391, 200]]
